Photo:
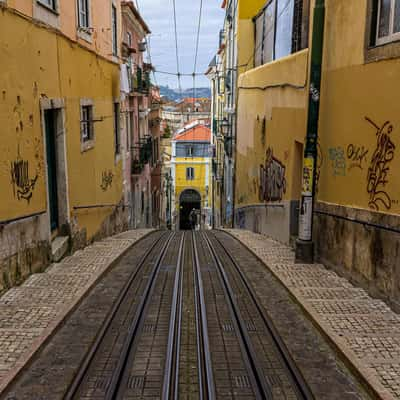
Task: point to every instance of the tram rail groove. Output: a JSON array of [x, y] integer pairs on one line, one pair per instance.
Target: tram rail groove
[[261, 386], [171, 373], [83, 370], [290, 365], [115, 387], [205, 369], [94, 348]]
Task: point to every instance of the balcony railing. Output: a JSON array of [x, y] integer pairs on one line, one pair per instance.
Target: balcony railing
[[141, 81], [141, 155]]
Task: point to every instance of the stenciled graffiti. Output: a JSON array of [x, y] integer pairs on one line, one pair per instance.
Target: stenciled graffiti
[[338, 160], [106, 180], [357, 156], [379, 167], [23, 185], [272, 178]]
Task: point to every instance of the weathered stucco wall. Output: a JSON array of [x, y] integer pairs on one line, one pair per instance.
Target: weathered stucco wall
[[271, 128], [40, 67]]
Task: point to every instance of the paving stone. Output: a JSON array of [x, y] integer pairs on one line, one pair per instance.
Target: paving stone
[[30, 312], [363, 328]]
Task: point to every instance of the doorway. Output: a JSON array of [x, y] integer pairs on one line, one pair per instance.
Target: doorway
[[50, 119], [190, 199]]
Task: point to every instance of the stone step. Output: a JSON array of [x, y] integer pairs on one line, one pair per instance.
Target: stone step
[[59, 247]]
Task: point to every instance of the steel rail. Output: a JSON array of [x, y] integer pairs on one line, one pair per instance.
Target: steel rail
[[114, 387], [261, 386], [171, 373], [297, 378], [72, 391], [205, 370]]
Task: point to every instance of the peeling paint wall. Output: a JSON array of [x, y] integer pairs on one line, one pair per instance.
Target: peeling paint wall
[[41, 66]]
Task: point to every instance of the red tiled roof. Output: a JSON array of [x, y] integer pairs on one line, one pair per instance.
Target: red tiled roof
[[198, 133]]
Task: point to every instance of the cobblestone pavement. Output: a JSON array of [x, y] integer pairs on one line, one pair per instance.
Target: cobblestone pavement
[[363, 329], [31, 312]]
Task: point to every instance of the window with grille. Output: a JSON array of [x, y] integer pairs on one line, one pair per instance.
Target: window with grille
[[83, 13], [86, 123], [279, 30], [387, 21], [189, 174]]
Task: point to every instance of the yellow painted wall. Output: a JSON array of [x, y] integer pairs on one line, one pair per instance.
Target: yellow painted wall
[[49, 66], [357, 99], [359, 108], [199, 181], [284, 111]]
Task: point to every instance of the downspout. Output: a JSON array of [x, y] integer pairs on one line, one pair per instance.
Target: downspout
[[305, 243]]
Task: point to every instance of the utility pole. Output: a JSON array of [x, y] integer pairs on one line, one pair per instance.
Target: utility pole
[[305, 244]]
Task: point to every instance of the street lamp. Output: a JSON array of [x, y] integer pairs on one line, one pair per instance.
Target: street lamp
[[224, 127]]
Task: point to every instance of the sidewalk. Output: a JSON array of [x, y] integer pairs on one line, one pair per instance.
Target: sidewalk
[[31, 312], [365, 331]]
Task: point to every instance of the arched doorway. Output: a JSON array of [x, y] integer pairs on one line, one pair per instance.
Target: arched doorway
[[188, 200]]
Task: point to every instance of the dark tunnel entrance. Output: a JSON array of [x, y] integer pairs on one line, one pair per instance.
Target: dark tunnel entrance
[[189, 199]]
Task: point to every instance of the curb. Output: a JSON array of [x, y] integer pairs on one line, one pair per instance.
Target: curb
[[364, 375], [24, 361]]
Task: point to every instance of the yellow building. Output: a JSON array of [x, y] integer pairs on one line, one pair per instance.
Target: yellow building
[[191, 168], [61, 173], [357, 212]]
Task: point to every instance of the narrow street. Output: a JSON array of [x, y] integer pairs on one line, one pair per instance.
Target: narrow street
[[179, 316]]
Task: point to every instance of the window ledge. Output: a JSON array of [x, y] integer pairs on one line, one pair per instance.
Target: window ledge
[[87, 145], [84, 34], [45, 6]]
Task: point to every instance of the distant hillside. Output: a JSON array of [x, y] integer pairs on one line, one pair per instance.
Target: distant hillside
[[173, 94]]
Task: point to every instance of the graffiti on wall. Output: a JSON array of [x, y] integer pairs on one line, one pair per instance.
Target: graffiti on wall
[[272, 178], [106, 180], [379, 167], [357, 156], [22, 181], [338, 160]]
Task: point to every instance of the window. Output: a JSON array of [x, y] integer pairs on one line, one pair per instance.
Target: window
[[190, 174], [278, 30], [114, 30], [49, 3], [129, 39], [189, 151], [83, 13], [117, 129], [388, 21], [87, 123]]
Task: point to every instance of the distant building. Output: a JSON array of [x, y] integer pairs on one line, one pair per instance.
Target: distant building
[[191, 167]]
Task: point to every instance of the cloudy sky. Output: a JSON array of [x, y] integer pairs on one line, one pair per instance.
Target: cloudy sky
[[159, 16]]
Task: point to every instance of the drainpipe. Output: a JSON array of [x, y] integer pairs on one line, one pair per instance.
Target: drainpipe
[[305, 244]]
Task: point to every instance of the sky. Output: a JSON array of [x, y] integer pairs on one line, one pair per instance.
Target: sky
[[158, 15]]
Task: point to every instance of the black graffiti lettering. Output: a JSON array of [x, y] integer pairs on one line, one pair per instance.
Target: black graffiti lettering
[[379, 168], [106, 180], [272, 179], [357, 156], [23, 185]]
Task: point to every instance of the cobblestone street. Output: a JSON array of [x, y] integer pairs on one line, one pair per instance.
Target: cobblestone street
[[351, 369], [31, 312], [364, 330]]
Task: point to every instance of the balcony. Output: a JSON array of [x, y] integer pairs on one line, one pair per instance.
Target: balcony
[[141, 155], [140, 82]]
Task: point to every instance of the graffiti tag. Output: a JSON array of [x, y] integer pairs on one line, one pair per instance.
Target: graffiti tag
[[379, 167], [357, 155], [338, 161], [23, 185], [106, 180], [272, 178]]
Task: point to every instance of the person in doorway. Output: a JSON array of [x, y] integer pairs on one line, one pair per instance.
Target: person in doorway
[[192, 219]]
